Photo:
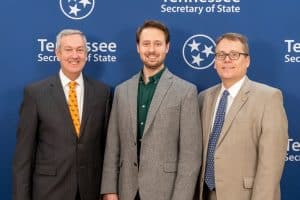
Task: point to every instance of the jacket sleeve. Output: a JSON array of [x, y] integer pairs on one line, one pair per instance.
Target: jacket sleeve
[[25, 148], [190, 147], [271, 149], [112, 152], [106, 120]]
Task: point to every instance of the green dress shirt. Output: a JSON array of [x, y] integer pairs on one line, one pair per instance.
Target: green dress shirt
[[144, 98]]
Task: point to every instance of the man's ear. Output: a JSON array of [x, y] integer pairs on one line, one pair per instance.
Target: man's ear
[[137, 48], [57, 53], [168, 47]]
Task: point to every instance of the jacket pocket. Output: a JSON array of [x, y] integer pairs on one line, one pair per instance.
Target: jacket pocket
[[170, 167], [45, 170], [248, 182]]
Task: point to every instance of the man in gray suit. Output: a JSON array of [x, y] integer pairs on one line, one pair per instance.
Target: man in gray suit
[[60, 144], [153, 148], [244, 153]]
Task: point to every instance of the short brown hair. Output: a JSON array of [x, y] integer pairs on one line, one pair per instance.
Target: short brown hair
[[153, 24]]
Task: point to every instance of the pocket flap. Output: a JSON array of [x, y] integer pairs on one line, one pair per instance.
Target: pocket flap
[[248, 182], [170, 167], [45, 170]]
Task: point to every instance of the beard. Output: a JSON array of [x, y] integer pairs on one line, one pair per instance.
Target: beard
[[153, 65]]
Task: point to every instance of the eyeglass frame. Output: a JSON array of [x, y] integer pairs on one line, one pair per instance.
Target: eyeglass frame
[[230, 53]]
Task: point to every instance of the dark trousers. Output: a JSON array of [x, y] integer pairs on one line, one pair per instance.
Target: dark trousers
[[137, 197], [77, 195], [207, 194]]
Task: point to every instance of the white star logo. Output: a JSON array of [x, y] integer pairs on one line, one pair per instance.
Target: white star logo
[[208, 50], [85, 2], [77, 9], [74, 10], [194, 46], [197, 59], [198, 51]]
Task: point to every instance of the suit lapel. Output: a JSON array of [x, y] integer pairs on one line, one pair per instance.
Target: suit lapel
[[160, 92], [87, 105], [58, 95], [237, 104], [209, 115], [132, 91]]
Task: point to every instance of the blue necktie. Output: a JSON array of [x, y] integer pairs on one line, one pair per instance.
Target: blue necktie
[[217, 127]]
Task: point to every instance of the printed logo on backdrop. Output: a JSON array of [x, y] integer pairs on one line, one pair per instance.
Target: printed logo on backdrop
[[292, 51], [198, 51], [98, 51], [200, 7], [77, 9], [293, 150]]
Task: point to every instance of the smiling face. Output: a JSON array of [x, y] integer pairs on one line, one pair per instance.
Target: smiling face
[[231, 71], [72, 54], [152, 48]]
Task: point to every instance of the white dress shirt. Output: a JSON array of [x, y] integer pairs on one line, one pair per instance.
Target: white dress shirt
[[79, 90], [233, 91]]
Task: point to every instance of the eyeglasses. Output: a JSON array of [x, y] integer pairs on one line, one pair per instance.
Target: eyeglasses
[[232, 55]]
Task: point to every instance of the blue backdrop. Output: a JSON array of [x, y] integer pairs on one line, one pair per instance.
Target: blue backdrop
[[28, 30]]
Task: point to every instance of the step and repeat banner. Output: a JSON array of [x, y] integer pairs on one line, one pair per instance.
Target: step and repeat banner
[[29, 28]]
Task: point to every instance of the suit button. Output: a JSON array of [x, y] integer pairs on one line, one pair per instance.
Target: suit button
[[134, 143], [135, 164]]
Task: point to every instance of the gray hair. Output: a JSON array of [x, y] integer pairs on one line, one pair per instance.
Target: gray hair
[[66, 32]]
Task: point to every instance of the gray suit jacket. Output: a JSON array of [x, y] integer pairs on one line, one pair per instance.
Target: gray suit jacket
[[250, 153], [171, 146], [50, 162]]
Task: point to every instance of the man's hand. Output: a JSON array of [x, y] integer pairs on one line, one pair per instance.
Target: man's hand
[[110, 197]]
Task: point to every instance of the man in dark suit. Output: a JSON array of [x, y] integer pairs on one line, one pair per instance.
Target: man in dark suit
[[154, 138], [60, 144]]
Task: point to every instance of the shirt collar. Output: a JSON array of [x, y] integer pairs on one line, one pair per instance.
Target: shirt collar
[[235, 88], [154, 78], [65, 80]]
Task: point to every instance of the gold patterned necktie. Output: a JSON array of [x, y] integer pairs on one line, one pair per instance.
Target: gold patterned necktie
[[73, 106]]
